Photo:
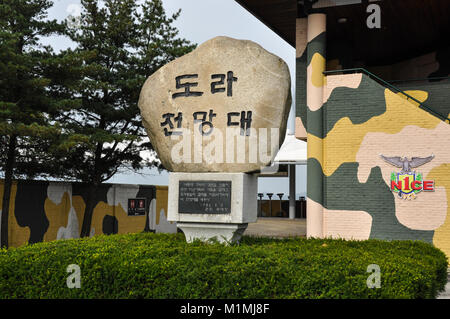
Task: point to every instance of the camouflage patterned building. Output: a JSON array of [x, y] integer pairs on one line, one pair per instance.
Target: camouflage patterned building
[[45, 211], [373, 104]]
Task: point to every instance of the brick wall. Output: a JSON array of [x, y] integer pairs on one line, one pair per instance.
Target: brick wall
[[362, 120]]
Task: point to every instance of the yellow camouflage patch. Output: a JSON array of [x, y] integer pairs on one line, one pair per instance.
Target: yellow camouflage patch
[[344, 140], [441, 176]]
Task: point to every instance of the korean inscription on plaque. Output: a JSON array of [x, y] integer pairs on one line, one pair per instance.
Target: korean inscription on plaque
[[137, 206], [204, 197]]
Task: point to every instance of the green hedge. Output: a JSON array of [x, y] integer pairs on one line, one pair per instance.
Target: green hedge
[[163, 266]]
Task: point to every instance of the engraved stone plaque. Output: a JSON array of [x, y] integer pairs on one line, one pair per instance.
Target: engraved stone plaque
[[204, 197]]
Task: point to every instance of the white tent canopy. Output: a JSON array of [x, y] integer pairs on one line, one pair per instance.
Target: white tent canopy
[[293, 151]]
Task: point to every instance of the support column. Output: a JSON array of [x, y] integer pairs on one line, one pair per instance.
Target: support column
[[291, 191], [301, 42], [316, 64]]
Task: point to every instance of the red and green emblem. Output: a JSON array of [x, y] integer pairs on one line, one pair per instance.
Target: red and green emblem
[[407, 182]]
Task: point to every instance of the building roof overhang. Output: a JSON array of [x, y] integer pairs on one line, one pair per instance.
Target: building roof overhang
[[409, 28]]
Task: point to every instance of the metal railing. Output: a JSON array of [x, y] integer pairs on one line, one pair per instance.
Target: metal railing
[[393, 88]]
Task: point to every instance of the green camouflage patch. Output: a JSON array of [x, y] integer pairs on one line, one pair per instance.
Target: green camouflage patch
[[344, 192]]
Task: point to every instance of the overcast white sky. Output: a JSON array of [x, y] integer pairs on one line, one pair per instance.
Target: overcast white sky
[[201, 20]]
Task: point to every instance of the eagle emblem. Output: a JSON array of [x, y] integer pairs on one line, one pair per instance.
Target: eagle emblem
[[406, 164]]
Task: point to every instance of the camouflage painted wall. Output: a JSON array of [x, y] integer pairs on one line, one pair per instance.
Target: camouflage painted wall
[[310, 63], [44, 211], [361, 120], [348, 121], [436, 94], [315, 83]]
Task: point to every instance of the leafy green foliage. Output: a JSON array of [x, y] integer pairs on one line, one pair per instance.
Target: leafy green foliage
[[119, 43], [26, 105], [164, 266]]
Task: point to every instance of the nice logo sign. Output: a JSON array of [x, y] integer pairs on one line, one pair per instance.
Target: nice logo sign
[[408, 183]]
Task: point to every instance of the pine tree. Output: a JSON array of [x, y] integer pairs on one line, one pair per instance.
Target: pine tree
[[119, 44], [25, 105]]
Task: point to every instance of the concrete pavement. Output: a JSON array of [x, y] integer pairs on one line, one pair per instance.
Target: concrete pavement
[[446, 293], [276, 227]]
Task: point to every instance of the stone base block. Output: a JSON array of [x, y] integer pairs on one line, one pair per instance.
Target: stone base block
[[212, 205], [224, 233]]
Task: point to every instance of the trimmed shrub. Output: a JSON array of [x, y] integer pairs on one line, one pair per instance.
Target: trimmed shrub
[[150, 265]]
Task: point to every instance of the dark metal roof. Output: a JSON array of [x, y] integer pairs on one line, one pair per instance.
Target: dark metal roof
[[409, 27], [278, 15]]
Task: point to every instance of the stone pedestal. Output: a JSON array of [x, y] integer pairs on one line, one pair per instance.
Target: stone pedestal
[[212, 205], [227, 233]]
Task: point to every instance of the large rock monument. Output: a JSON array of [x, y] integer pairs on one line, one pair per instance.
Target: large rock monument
[[215, 117]]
